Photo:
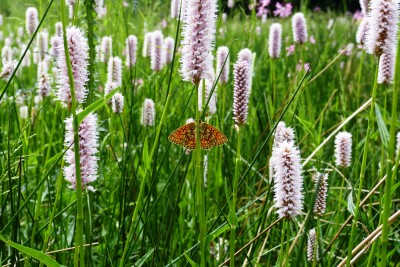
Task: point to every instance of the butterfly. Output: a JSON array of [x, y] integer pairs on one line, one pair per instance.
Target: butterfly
[[186, 136]]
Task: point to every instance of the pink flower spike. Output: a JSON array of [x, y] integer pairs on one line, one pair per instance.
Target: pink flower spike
[[78, 50], [88, 147], [299, 28], [198, 40]]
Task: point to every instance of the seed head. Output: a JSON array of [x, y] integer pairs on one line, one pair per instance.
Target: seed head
[[157, 61], [131, 50], [275, 40], [386, 68], [223, 64], [78, 52], [288, 180], [241, 92], [88, 147], [169, 45], [198, 39], [117, 103], [382, 31], [31, 20], [114, 71], [320, 201], [343, 149], [299, 28], [148, 113], [312, 249]]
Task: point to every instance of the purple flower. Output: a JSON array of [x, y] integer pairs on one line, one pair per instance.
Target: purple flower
[[262, 7], [283, 11], [290, 50], [312, 39], [358, 15], [88, 144]]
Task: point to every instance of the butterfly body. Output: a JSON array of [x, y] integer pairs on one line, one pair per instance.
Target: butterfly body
[[186, 136]]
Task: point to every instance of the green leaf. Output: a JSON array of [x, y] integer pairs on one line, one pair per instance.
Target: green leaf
[[190, 261], [307, 125], [383, 131], [95, 105], [350, 204], [394, 187], [53, 159], [142, 260], [40, 256]]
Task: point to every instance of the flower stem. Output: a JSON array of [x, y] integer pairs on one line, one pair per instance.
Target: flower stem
[[200, 185], [232, 217], [363, 168], [79, 259], [391, 159]]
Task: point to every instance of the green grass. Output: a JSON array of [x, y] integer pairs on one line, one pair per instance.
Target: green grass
[[146, 203]]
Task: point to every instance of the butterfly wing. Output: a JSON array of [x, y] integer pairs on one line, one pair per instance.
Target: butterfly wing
[[211, 136], [185, 136]]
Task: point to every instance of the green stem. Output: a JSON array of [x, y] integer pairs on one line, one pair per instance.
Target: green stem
[[232, 217], [391, 158], [363, 168], [280, 257], [139, 202], [200, 200], [79, 259]]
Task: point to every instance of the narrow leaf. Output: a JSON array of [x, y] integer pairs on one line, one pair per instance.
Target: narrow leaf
[[350, 204], [383, 131], [142, 260], [95, 105], [40, 256]]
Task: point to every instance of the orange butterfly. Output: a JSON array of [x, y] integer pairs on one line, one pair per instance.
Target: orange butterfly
[[186, 136]]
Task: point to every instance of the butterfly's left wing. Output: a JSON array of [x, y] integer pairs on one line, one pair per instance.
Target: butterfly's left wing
[[185, 136]]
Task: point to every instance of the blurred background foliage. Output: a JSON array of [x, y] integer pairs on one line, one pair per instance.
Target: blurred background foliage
[[17, 7]]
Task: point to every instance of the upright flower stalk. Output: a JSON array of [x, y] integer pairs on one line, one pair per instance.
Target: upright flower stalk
[[391, 155], [196, 65], [240, 110], [79, 259]]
